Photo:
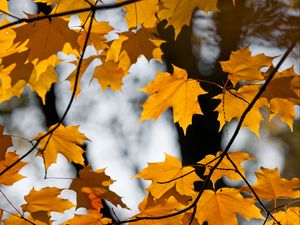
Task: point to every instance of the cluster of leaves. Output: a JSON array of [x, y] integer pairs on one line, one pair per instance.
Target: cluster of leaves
[[28, 57]]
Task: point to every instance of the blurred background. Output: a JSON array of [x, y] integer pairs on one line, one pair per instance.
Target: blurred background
[[110, 119]]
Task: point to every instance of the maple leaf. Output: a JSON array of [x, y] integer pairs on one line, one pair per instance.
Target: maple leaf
[[148, 207], [132, 45], [233, 104], [6, 142], [176, 91], [241, 66], [93, 217], [110, 75], [21, 70], [225, 168], [46, 200], [64, 140], [141, 13], [12, 175], [17, 219], [178, 13], [271, 186], [43, 83], [97, 34], [165, 175], [283, 93], [288, 217], [213, 207], [96, 183], [39, 44]]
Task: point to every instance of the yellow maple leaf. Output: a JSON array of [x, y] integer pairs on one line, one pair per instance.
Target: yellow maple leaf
[[109, 74], [225, 168], [97, 34], [221, 207], [141, 13], [241, 66], [176, 91], [93, 217], [233, 104], [63, 140], [288, 217], [94, 182], [6, 142], [17, 219], [39, 44], [178, 13], [283, 93], [165, 175], [43, 84], [149, 207], [271, 186], [46, 200], [12, 175]]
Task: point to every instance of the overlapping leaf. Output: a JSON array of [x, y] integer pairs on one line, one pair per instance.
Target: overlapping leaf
[[45, 37], [141, 13], [225, 168], [64, 140], [233, 104], [12, 175], [165, 175], [270, 185], [288, 217], [94, 183], [243, 67], [283, 94], [221, 207]]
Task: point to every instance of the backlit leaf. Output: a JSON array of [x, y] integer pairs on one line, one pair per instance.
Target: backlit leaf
[[173, 91], [270, 185], [221, 207], [63, 140]]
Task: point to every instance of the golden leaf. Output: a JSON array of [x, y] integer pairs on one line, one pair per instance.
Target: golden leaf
[[12, 175], [45, 37], [176, 91], [221, 207], [225, 168], [46, 199], [270, 185], [141, 13], [165, 175], [178, 13], [241, 66], [96, 183], [233, 104], [63, 140], [283, 93], [289, 217]]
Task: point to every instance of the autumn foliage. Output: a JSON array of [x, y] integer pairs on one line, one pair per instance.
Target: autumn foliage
[[28, 57]]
